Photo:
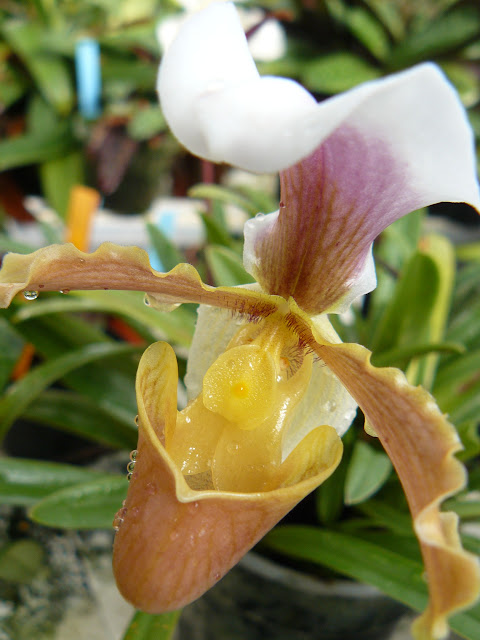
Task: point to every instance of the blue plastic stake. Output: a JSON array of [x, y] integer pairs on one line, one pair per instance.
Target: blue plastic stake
[[89, 81]]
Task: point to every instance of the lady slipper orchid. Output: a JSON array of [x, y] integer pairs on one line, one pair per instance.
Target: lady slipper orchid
[[271, 386]]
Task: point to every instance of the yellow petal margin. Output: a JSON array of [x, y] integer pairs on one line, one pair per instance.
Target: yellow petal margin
[[62, 267], [173, 543], [421, 444]]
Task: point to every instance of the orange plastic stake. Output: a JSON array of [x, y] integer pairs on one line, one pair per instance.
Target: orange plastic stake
[[82, 204], [24, 362]]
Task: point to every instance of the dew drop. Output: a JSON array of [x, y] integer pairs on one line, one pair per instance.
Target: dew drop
[[133, 455], [129, 476], [150, 489], [117, 521], [65, 291], [131, 467], [232, 447], [146, 301], [259, 216], [136, 420], [330, 405], [30, 295]]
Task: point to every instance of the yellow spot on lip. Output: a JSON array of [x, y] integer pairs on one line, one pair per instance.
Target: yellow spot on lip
[[240, 390]]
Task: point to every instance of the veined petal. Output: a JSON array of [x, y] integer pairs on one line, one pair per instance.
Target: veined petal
[[405, 144], [63, 267], [173, 542], [421, 444]]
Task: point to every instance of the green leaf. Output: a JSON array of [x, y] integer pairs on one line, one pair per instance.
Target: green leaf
[[226, 267], [383, 514], [71, 412], [216, 232], [470, 437], [178, 325], [448, 32], [11, 345], [465, 508], [35, 148], [390, 15], [145, 626], [8, 244], [465, 406], [369, 31], [166, 251], [223, 194], [457, 375], [401, 357], [20, 561], [133, 73], [469, 252], [393, 573], [50, 73], [12, 87], [24, 392], [109, 383], [329, 502], [367, 472], [146, 123], [24, 482], [465, 81], [441, 251], [91, 505], [336, 72], [404, 320], [58, 176]]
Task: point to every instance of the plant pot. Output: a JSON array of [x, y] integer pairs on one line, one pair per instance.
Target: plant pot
[[261, 600]]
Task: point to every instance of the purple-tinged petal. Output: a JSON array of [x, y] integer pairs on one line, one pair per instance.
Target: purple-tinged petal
[[404, 146]]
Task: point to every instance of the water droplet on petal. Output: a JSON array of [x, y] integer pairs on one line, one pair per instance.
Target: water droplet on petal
[[65, 291], [232, 447], [131, 467], [330, 405], [146, 301], [259, 216], [136, 420], [150, 489], [30, 295], [133, 455]]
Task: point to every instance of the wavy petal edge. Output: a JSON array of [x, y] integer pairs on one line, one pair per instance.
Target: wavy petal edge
[[63, 267]]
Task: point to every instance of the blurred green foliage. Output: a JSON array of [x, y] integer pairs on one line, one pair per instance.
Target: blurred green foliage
[[424, 316]]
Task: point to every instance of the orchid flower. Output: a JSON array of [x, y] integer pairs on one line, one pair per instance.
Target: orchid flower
[[272, 388]]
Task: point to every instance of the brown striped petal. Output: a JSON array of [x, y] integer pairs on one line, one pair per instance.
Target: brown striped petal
[[421, 443], [63, 267]]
